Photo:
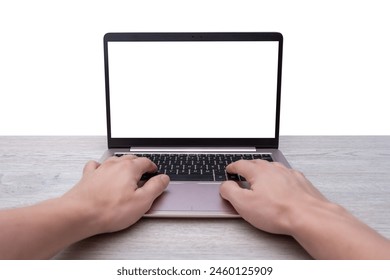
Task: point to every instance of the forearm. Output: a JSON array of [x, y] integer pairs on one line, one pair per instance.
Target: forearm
[[42, 230], [328, 231], [106, 199]]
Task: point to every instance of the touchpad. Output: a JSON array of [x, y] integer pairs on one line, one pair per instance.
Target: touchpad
[[196, 197]]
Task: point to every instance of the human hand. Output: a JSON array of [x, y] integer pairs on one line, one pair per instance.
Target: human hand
[[275, 197], [110, 192]]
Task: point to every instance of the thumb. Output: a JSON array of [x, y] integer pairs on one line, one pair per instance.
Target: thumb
[[153, 188], [90, 166], [233, 193]]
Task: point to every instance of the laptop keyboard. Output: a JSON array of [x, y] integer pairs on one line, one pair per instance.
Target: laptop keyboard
[[197, 167]]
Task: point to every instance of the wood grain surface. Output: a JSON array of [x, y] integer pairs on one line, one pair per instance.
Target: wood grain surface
[[353, 171]]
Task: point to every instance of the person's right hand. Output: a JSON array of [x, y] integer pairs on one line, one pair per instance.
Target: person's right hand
[[275, 196]]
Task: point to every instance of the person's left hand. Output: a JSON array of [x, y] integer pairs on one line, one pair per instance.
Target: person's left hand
[[110, 192]]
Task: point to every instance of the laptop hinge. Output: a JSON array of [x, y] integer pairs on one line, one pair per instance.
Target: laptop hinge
[[193, 149]]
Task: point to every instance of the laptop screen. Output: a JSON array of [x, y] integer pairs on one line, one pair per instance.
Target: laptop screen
[[192, 89]]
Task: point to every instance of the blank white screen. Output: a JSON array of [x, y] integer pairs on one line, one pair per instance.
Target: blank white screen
[[193, 89]]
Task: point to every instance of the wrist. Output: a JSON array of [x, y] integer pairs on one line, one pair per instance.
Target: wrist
[[312, 215], [82, 218]]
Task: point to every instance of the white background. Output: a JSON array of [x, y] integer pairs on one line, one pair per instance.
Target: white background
[[336, 59], [108, 269]]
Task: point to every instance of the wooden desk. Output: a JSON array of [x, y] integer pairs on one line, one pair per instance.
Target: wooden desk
[[352, 171]]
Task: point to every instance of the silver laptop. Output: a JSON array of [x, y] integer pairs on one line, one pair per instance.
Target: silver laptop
[[193, 103]]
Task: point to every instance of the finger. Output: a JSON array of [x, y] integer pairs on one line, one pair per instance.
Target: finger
[[153, 188], [145, 165], [233, 193], [278, 164], [141, 165], [246, 168], [115, 158], [128, 157], [90, 166]]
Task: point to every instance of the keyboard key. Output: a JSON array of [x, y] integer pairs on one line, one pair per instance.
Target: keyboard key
[[267, 157], [171, 172], [220, 175], [190, 177], [147, 176], [195, 172], [233, 177]]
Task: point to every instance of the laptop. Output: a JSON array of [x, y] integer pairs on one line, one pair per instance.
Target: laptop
[[193, 103]]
